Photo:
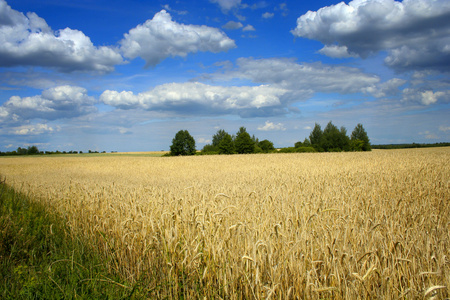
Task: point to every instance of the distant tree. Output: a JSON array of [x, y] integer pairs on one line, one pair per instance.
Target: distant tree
[[243, 142], [208, 148], [32, 150], [306, 143], [182, 144], [330, 138], [22, 151], [255, 140], [359, 139], [266, 146], [316, 137], [218, 137], [226, 145], [344, 140]]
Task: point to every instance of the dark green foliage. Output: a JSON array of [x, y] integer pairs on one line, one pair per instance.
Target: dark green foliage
[[344, 140], [226, 145], [182, 144], [208, 148], [218, 137], [316, 137], [33, 150], [335, 140], [214, 147], [22, 151], [307, 143], [360, 134], [298, 150], [406, 146], [305, 149], [332, 139], [243, 143], [266, 146]]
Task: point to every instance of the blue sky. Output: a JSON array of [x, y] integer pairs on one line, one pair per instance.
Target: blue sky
[[127, 75]]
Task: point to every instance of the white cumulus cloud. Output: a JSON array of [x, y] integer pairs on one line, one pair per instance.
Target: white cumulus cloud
[[248, 28], [232, 25], [416, 33], [161, 37], [267, 15], [29, 41], [199, 98], [54, 103], [312, 77], [425, 97], [226, 5], [270, 126], [336, 51], [34, 129]]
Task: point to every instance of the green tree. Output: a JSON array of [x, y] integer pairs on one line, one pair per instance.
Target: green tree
[[208, 148], [22, 151], [306, 143], [243, 142], [316, 137], [344, 140], [33, 150], [226, 145], [266, 146], [182, 144], [359, 139], [218, 137], [330, 138]]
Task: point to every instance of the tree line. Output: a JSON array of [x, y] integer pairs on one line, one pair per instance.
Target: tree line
[[33, 150], [330, 139], [413, 145], [222, 143], [334, 139]]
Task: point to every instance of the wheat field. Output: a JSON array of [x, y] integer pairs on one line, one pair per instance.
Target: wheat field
[[264, 226]]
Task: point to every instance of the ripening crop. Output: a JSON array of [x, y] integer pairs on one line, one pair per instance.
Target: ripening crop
[[280, 226]]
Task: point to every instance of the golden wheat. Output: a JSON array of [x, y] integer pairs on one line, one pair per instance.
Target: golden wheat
[[287, 226]]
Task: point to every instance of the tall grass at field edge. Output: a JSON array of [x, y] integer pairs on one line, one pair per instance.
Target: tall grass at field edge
[[40, 260]]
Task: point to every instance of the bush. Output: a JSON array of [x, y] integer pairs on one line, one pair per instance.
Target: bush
[[297, 150], [305, 150]]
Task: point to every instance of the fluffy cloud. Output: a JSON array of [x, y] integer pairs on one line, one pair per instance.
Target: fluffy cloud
[[226, 5], [55, 103], [270, 126], [267, 15], [388, 88], [336, 51], [425, 97], [35, 129], [314, 77], [28, 40], [416, 33], [161, 37], [248, 28], [232, 25], [199, 98]]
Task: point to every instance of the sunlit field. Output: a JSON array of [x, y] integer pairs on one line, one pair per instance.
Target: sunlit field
[[281, 226]]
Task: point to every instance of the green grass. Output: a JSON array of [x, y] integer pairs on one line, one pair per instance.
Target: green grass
[[39, 259]]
